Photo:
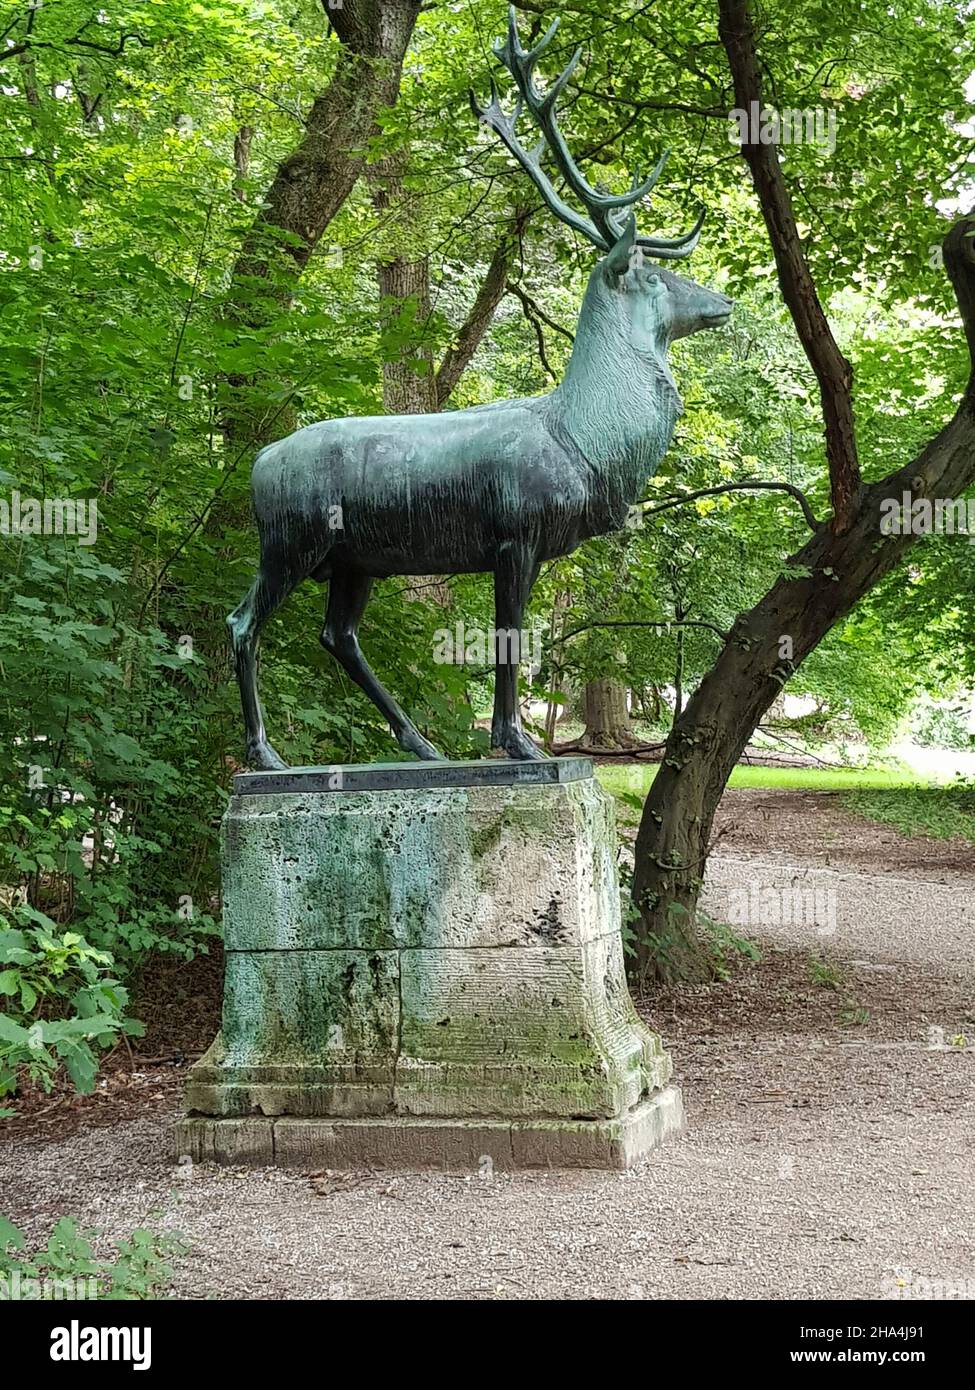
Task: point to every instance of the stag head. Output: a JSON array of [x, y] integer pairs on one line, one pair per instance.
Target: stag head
[[654, 306]]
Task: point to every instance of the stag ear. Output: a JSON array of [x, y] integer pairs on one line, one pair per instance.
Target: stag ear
[[617, 260]]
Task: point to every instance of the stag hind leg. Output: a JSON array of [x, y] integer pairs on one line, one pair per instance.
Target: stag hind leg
[[348, 594], [268, 592], [514, 574]]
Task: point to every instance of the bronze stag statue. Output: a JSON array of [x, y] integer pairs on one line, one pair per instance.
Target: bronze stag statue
[[496, 488]]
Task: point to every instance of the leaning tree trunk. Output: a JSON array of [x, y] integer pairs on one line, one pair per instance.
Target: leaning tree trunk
[[841, 563], [309, 187], [489, 295], [763, 649], [607, 717]]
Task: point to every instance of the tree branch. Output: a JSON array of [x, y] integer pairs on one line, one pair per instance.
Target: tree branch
[[458, 356], [27, 44], [527, 302], [833, 372], [793, 491], [664, 622], [533, 315]]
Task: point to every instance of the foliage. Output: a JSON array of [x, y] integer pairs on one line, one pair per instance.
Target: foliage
[[98, 824], [853, 1015], [825, 974], [61, 1004], [943, 724], [718, 945], [140, 1270], [724, 945]]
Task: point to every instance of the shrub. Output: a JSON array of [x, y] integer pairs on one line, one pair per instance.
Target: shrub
[[68, 1266], [61, 1004]]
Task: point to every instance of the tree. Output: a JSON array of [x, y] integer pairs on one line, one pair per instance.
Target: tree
[[314, 179], [604, 708], [824, 580]]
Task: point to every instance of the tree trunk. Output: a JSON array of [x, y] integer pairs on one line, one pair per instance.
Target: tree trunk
[[242, 158], [313, 182], [489, 296], [652, 705], [833, 372], [409, 385], [679, 673], [836, 568], [765, 647], [607, 717], [558, 692]]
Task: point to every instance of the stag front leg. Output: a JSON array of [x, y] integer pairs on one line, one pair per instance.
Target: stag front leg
[[514, 574], [348, 594]]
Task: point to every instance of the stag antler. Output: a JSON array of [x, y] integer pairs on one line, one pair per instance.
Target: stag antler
[[606, 222]]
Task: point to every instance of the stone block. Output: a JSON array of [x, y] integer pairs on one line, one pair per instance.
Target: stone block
[[512, 866], [476, 1146]]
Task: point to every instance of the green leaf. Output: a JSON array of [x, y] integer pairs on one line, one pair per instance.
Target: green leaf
[[10, 1236]]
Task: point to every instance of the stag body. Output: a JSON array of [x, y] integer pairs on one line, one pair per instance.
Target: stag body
[[497, 488]]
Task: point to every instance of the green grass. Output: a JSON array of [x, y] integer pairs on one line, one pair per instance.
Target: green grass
[[942, 812], [635, 778], [893, 795], [825, 974]]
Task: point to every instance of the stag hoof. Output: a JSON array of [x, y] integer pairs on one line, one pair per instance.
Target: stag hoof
[[262, 758], [415, 743], [518, 745]]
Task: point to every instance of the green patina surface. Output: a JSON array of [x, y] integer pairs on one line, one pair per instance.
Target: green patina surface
[[362, 870], [308, 1005]]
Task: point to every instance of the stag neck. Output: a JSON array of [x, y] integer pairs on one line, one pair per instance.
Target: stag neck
[[618, 406]]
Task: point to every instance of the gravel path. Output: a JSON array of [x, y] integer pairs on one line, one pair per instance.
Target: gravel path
[[829, 1149]]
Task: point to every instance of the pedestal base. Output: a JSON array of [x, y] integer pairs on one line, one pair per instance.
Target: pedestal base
[[395, 1141], [424, 968]]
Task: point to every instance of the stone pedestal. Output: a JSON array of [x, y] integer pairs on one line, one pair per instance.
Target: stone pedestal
[[424, 968]]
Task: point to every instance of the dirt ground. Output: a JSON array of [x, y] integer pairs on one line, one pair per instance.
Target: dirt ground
[[830, 1097], [815, 828]]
